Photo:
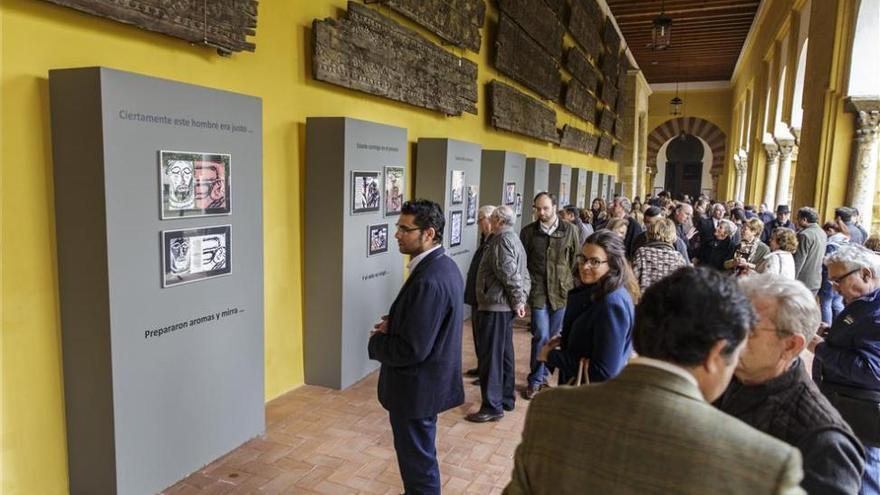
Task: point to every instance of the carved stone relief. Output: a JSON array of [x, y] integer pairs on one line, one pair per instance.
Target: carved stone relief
[[604, 150], [538, 21], [618, 128], [610, 37], [518, 112], [578, 140], [369, 52], [609, 93], [606, 122], [580, 102], [521, 58], [584, 27], [617, 152], [225, 25], [455, 21], [581, 69]]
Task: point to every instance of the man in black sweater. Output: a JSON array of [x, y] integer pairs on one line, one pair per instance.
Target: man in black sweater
[[773, 392]]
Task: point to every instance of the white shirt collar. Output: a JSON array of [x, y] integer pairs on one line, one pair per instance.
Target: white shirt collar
[[549, 229], [666, 366], [416, 260]]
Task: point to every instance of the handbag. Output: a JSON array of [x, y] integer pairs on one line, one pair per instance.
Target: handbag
[[860, 408]]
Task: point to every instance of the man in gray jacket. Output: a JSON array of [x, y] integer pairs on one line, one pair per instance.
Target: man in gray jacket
[[503, 285], [810, 250]]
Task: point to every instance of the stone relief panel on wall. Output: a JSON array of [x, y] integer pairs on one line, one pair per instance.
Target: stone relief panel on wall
[[521, 58], [584, 24], [579, 101], [518, 112], [581, 69], [575, 139], [221, 24], [369, 52], [605, 144], [456, 21]]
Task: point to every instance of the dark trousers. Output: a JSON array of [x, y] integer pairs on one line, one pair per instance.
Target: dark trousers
[[474, 322], [497, 365], [416, 453]]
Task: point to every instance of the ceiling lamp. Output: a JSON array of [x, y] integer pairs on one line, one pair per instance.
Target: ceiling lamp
[[662, 31], [675, 103]]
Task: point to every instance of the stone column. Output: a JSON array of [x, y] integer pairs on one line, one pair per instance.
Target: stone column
[[786, 147], [863, 175], [744, 163], [772, 150], [737, 184]]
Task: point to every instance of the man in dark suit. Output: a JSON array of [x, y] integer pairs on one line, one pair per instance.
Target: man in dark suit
[[419, 346], [707, 228], [783, 214]]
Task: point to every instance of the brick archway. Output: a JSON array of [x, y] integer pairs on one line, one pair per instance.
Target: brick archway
[[702, 128]]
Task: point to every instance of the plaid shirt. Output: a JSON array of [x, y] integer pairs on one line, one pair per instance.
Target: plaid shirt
[[654, 261]]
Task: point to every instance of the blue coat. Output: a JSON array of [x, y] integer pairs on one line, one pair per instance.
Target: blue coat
[[598, 330], [850, 354], [421, 352]]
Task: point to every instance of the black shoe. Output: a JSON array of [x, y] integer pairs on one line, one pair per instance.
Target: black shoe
[[476, 382], [472, 372], [531, 391], [482, 417], [507, 408]]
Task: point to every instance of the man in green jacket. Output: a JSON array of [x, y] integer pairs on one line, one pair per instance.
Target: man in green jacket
[[810, 250], [551, 246]]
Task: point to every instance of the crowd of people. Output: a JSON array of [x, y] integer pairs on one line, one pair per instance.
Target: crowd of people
[[691, 317]]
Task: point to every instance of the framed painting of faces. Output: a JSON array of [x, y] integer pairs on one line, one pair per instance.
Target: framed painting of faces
[[471, 205], [509, 193], [394, 187], [377, 239], [366, 195], [457, 189], [191, 255], [455, 228], [195, 184], [518, 205]]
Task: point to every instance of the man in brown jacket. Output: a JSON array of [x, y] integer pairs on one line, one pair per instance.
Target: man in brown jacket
[[652, 429]]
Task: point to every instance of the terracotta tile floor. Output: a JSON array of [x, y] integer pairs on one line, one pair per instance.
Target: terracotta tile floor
[[325, 441]]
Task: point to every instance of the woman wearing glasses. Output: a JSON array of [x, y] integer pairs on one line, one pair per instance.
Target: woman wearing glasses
[[599, 314], [847, 362]]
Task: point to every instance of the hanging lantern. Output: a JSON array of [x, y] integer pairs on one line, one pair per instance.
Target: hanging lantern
[[675, 105], [662, 32]]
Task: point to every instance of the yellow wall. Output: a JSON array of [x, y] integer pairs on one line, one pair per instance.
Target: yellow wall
[[37, 36], [713, 105]]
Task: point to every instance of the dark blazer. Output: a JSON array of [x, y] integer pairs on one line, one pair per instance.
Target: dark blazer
[[421, 352], [598, 330], [633, 230]]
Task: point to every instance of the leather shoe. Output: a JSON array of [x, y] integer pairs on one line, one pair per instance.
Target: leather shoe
[[483, 417], [531, 391], [507, 408], [472, 372]]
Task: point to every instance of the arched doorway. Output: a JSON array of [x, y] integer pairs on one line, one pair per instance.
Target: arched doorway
[[684, 165], [714, 138]]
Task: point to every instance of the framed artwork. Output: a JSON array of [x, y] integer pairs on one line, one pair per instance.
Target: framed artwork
[[457, 188], [518, 205], [455, 228], [471, 205], [194, 184], [563, 194], [191, 255], [394, 188], [377, 239], [366, 194], [509, 193]]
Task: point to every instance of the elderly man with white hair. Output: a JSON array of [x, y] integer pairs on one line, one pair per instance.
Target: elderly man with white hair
[[847, 363], [503, 285], [772, 390]]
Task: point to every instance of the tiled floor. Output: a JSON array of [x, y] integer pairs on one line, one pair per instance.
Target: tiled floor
[[326, 441]]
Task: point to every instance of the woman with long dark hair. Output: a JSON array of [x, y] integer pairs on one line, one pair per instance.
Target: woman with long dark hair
[[599, 315], [600, 214]]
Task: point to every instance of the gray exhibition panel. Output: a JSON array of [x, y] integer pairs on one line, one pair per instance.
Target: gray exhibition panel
[[537, 180], [350, 282], [604, 180], [609, 194], [502, 182], [448, 173], [560, 183], [579, 187], [592, 187], [159, 381]]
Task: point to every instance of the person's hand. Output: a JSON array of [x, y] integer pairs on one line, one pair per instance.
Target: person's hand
[[551, 344], [816, 340], [520, 311], [823, 330], [381, 327], [691, 233]]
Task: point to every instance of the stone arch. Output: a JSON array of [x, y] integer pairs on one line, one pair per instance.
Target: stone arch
[[702, 128]]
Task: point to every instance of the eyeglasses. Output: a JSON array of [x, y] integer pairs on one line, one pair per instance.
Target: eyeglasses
[[591, 262], [403, 229], [838, 280]]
